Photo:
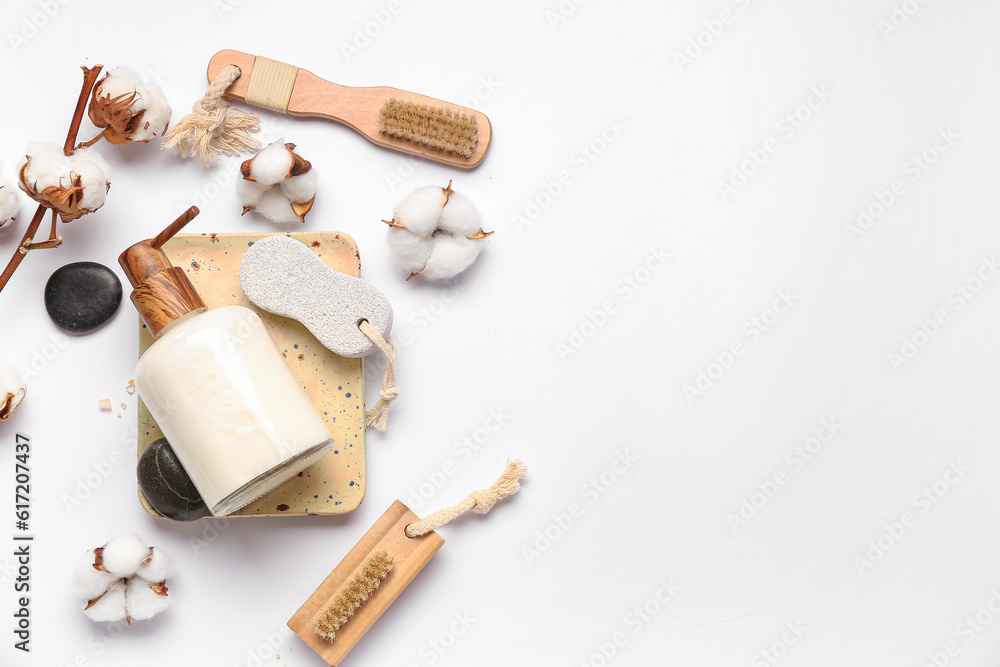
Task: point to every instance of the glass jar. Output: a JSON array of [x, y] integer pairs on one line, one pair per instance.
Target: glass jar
[[230, 406]]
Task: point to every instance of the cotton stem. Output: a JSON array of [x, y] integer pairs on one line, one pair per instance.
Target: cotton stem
[[54, 240], [22, 248], [88, 144], [90, 75]]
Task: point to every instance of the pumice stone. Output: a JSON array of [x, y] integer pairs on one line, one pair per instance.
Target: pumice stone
[[281, 275]]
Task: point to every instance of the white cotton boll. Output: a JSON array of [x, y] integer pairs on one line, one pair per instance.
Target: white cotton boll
[[249, 193], [300, 188], [48, 166], [434, 238], [95, 175], [142, 601], [274, 205], [121, 81], [159, 567], [132, 586], [272, 164], [12, 389], [284, 198], [123, 555], [111, 606], [9, 202], [89, 583], [460, 216], [149, 99], [421, 209], [409, 250], [450, 255]]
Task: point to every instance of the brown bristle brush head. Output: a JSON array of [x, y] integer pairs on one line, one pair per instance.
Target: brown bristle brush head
[[437, 127], [389, 117], [357, 591]]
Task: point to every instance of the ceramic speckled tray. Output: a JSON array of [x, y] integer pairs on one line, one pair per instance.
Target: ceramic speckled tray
[[336, 483]]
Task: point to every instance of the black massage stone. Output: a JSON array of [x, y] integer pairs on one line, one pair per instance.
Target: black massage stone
[[166, 484], [80, 297]]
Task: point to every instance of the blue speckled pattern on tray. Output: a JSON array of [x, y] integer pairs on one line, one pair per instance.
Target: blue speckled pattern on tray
[[336, 483]]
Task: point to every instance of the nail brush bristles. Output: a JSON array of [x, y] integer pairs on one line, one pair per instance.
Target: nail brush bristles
[[357, 592], [435, 127]]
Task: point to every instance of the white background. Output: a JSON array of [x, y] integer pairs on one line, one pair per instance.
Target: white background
[[819, 568]]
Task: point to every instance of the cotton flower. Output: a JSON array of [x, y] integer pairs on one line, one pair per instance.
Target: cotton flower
[[9, 203], [122, 556], [127, 108], [157, 566], [12, 390], [123, 579], [109, 606], [90, 583], [71, 185], [278, 184], [435, 233], [144, 599]]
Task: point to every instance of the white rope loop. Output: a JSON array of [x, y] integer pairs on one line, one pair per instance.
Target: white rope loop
[[479, 502], [378, 416], [213, 128]]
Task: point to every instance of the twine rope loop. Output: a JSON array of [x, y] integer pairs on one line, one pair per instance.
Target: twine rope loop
[[213, 128], [378, 416], [479, 502]]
